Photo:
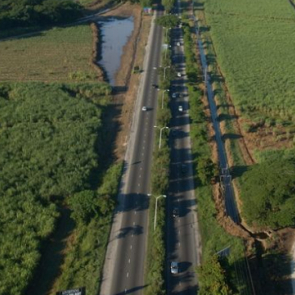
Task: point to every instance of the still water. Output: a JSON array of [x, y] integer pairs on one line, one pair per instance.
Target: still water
[[115, 34]]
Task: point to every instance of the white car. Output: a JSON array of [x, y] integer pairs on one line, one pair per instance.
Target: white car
[[180, 108], [174, 267], [178, 74], [178, 43], [174, 95], [144, 108]]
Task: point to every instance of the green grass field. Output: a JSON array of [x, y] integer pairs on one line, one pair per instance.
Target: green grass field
[[52, 55], [254, 42]]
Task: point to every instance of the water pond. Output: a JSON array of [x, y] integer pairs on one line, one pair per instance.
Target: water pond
[[115, 33]]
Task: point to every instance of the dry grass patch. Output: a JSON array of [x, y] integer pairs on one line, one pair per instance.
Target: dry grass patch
[[59, 54]]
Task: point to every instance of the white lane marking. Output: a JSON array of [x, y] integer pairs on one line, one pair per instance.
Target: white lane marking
[[142, 154], [127, 274], [139, 175], [132, 235], [139, 184], [133, 223], [140, 168], [129, 260], [131, 247]]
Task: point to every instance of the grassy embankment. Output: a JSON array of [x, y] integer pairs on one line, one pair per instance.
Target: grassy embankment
[[214, 237], [53, 147]]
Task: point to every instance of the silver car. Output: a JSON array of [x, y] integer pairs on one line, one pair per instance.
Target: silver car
[[174, 267]]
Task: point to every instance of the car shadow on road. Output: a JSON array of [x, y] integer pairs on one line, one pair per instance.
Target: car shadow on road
[[130, 291]]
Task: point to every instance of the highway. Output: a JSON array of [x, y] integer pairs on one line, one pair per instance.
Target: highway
[[125, 259], [183, 245]]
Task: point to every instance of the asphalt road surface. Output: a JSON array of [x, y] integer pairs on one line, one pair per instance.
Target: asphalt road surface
[[182, 227], [125, 259]]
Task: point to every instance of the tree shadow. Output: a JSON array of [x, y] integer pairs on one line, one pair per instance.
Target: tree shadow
[[226, 117], [231, 136], [198, 6], [238, 171], [135, 230], [271, 272], [52, 254], [132, 290]]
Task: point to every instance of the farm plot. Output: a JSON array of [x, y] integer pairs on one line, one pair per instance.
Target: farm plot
[[49, 141], [59, 54], [254, 43]]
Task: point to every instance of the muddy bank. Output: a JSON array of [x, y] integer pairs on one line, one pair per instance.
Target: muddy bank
[[96, 36]]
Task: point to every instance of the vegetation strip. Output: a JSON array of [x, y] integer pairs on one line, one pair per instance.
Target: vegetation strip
[[156, 253], [214, 238]]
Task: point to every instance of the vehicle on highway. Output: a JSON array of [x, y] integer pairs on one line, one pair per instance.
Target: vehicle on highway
[[155, 86], [144, 109], [183, 168], [180, 108], [178, 43], [174, 267], [175, 212], [174, 95], [178, 74]]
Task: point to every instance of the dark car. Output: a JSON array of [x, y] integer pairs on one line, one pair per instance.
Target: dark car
[[175, 212], [183, 168], [155, 86]]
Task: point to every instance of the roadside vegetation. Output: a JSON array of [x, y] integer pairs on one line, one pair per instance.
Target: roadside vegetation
[[230, 276], [51, 140], [261, 127], [92, 211], [156, 254], [268, 194], [213, 278], [59, 54]]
